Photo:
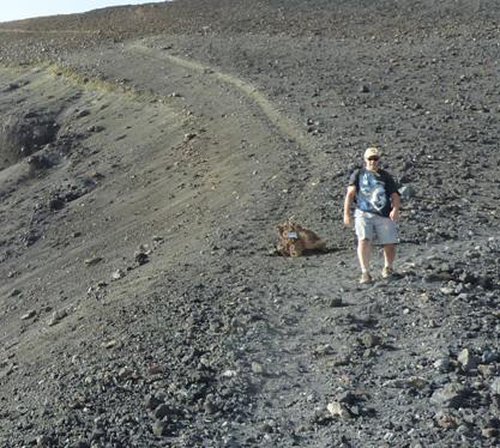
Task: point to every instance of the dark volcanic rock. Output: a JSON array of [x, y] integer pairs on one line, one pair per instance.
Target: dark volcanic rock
[[23, 134], [209, 122]]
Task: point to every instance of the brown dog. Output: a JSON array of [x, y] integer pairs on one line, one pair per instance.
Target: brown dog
[[294, 240]]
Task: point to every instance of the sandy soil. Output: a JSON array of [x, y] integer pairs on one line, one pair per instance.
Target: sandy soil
[[147, 154]]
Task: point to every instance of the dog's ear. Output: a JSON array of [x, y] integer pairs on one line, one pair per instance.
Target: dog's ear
[[280, 228]]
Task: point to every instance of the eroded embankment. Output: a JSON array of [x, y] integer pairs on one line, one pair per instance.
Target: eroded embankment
[[129, 190]]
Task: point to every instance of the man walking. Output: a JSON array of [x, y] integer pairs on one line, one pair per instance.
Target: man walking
[[377, 212]]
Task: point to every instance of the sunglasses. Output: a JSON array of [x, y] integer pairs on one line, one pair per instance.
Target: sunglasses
[[374, 158]]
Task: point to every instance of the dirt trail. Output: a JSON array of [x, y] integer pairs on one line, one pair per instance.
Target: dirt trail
[[285, 126], [141, 304], [299, 354], [223, 167]]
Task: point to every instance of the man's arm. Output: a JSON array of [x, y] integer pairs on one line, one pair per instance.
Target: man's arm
[[396, 205], [349, 199]]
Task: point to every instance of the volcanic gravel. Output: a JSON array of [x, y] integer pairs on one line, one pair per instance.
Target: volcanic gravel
[[147, 154]]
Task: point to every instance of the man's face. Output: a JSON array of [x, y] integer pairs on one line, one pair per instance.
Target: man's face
[[372, 163]]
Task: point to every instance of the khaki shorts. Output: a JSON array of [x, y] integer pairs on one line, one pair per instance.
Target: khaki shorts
[[378, 229]]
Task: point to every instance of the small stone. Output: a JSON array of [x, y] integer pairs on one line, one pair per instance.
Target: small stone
[[446, 421], [495, 386], [97, 433], [450, 396], [488, 357], [486, 370], [348, 397], [209, 406], [417, 383], [324, 350], [110, 344], [335, 302], [43, 441], [57, 317], [160, 428], [93, 261], [370, 340], [152, 402], [443, 364], [340, 360], [162, 411], [141, 258], [406, 192], [28, 315], [118, 274], [257, 368], [81, 444], [490, 433], [155, 369], [56, 204], [447, 290], [388, 436], [125, 373], [337, 409], [95, 128], [12, 86], [466, 360], [83, 113]]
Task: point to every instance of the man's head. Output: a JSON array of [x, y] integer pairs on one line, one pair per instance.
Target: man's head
[[372, 157]]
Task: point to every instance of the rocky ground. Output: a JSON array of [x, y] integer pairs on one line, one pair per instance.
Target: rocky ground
[[147, 154]]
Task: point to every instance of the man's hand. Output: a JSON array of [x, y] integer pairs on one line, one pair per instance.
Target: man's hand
[[396, 203], [394, 215], [347, 220]]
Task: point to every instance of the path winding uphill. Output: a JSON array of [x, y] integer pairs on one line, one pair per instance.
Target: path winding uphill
[[141, 304], [174, 163]]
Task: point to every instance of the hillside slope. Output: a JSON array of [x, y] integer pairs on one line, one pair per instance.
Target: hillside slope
[[147, 154]]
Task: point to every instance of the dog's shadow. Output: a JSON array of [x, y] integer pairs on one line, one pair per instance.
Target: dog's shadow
[[306, 253], [320, 252]]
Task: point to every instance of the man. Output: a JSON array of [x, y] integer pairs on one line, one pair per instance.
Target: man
[[377, 212]]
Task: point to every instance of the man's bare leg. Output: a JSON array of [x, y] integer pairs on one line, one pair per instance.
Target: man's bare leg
[[389, 255], [364, 254]]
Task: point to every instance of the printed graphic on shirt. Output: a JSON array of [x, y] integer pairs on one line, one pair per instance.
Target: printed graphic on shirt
[[372, 196]]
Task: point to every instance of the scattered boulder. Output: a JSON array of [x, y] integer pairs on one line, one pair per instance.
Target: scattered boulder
[[23, 133], [452, 395], [467, 360], [338, 409], [57, 317]]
